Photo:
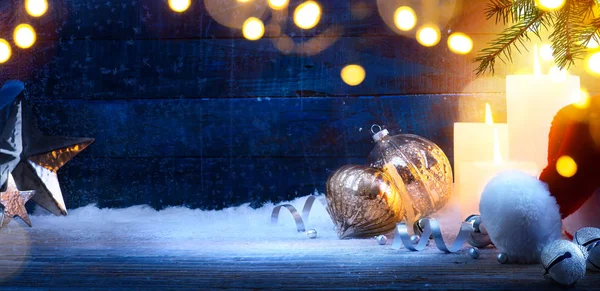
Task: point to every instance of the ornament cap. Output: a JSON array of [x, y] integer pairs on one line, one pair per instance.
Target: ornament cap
[[377, 136]]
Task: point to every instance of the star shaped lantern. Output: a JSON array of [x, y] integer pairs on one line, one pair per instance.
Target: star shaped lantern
[[33, 158], [14, 201]]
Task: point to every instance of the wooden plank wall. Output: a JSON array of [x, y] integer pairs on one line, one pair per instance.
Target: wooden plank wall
[[185, 111]]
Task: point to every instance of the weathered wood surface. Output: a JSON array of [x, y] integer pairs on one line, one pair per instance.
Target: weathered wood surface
[[194, 265]]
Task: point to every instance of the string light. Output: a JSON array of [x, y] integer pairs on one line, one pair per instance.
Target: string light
[[5, 51], [24, 36], [546, 52], [307, 15], [593, 63], [405, 18], [428, 35], [582, 99], [353, 75], [566, 166], [460, 43], [253, 28], [179, 5], [278, 4], [549, 5], [36, 8]]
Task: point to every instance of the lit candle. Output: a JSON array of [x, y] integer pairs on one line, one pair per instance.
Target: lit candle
[[475, 175], [531, 103], [473, 142]]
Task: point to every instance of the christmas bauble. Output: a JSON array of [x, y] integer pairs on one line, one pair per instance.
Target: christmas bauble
[[417, 165], [363, 202], [564, 262]]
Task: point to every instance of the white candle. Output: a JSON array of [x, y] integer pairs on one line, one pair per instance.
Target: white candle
[[532, 101]]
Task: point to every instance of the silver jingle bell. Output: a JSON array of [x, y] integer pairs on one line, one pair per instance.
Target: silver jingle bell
[[479, 237], [589, 238], [564, 262], [311, 233], [593, 260], [474, 253], [502, 258], [381, 239]]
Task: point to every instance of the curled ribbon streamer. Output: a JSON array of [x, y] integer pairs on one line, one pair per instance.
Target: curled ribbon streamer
[[431, 226], [308, 204]]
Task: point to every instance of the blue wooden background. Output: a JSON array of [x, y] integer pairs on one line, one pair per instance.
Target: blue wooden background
[[187, 112]]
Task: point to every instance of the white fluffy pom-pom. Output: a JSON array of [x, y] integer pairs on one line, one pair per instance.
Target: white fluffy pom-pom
[[520, 215]]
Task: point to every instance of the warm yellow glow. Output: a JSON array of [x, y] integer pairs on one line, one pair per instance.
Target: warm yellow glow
[[546, 52], [593, 63], [592, 44], [24, 36], [566, 166], [582, 100], [497, 151], [253, 28], [243, 1], [278, 4], [549, 4], [179, 5], [557, 75], [428, 35], [460, 43], [488, 114], [405, 18], [5, 51], [537, 68], [307, 15], [353, 75], [36, 8]]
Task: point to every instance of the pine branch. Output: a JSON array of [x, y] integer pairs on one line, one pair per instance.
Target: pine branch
[[510, 10], [569, 28], [511, 37]]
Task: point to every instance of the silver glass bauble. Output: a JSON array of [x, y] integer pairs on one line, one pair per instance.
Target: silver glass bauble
[[563, 262], [422, 168], [381, 239], [474, 253], [502, 258], [311, 233], [363, 202]]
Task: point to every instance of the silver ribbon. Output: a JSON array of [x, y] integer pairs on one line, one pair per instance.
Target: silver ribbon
[[431, 228], [308, 204]]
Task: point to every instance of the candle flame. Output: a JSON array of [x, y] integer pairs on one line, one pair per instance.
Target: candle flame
[[497, 152], [489, 119], [537, 68]]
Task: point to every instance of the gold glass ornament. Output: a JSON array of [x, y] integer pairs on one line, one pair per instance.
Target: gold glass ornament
[[363, 202], [417, 165]]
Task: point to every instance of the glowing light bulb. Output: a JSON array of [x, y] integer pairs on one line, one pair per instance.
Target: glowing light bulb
[[179, 5], [307, 15], [488, 114], [253, 28], [566, 166], [546, 52], [549, 4], [405, 18], [278, 4], [593, 63], [582, 99], [24, 36], [428, 36], [557, 75], [460, 43], [5, 51], [36, 8], [353, 75]]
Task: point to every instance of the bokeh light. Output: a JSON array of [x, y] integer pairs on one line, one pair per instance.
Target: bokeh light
[[36, 8], [278, 4], [549, 5], [232, 13], [5, 51], [179, 5], [243, 1], [557, 74], [582, 99], [353, 75], [546, 52], [253, 28], [307, 15], [593, 63], [592, 44], [460, 43], [405, 18], [566, 166], [24, 36], [428, 35]]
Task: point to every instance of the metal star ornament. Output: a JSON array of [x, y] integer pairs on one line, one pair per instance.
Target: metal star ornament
[[33, 158], [14, 201]]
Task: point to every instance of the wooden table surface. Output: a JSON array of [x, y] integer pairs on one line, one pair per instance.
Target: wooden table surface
[[38, 260]]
